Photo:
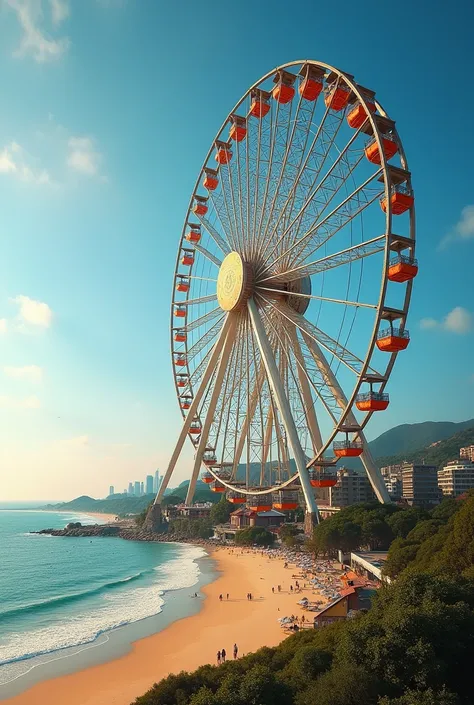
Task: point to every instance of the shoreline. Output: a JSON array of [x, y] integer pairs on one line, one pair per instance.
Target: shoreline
[[189, 641]]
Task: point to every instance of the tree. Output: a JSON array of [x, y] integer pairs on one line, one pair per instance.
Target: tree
[[401, 523], [221, 511], [254, 535], [288, 534]]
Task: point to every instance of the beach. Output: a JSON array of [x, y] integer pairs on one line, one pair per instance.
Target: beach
[[190, 642]]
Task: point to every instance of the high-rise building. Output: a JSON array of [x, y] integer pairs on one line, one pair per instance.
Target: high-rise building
[[420, 485], [456, 477], [142, 489], [352, 488], [130, 488], [392, 476], [467, 453], [136, 488], [156, 481], [149, 484], [111, 490]]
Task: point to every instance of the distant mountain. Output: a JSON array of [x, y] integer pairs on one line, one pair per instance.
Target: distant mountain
[[410, 437], [122, 505], [435, 454]]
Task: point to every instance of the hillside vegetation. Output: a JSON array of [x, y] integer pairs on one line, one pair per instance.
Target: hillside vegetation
[[438, 455]]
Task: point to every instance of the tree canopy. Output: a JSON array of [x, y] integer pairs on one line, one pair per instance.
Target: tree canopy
[[254, 535]]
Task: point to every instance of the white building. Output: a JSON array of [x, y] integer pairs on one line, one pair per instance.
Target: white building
[[456, 477], [467, 453]]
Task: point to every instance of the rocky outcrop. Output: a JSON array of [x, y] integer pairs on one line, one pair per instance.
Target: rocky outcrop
[[123, 532]]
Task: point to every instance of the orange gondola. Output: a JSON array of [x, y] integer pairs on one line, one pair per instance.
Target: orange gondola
[[284, 91], [260, 503], [211, 181], [358, 114], [217, 487], [186, 403], [208, 478], [393, 340], [200, 205], [372, 151], [337, 97], [223, 154], [180, 360], [372, 401], [347, 449], [195, 428], [310, 88], [194, 234], [235, 498], [188, 257], [285, 501], [259, 106], [182, 284], [180, 311], [402, 268], [401, 198], [181, 381], [238, 129], [180, 336], [322, 478]]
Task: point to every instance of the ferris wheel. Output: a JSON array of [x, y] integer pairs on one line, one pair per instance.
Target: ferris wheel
[[291, 289]]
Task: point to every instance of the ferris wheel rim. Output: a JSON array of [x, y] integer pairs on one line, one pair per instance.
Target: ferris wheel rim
[[384, 167]]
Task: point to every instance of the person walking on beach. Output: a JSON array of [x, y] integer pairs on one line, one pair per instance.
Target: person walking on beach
[[227, 595], [223, 655], [218, 658], [236, 651], [273, 589], [220, 598]]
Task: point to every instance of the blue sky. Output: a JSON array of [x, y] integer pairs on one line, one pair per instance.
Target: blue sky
[[108, 109]]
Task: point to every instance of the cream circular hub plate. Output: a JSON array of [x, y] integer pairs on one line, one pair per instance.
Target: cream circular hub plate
[[234, 282]]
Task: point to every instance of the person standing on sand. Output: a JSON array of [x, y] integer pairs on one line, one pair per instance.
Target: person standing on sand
[[223, 654], [227, 595], [236, 651], [218, 658]]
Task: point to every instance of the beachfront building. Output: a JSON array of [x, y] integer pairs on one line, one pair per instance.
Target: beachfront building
[[244, 518], [369, 564], [456, 477], [195, 511], [467, 453], [355, 596], [420, 485]]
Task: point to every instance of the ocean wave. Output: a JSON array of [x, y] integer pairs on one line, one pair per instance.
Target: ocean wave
[[73, 597], [118, 608]]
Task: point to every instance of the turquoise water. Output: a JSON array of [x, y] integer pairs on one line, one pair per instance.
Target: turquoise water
[[58, 594]]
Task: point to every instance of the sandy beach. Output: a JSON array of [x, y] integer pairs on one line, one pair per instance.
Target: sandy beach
[[190, 642]]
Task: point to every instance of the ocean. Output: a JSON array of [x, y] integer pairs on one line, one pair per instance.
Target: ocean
[[63, 596]]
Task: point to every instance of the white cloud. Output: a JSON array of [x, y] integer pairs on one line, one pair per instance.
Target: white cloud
[[59, 11], [34, 41], [458, 321], [83, 157], [3, 326], [37, 313], [464, 228], [31, 402], [29, 373], [14, 160]]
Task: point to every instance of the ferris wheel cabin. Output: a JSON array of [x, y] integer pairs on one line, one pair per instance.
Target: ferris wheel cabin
[[200, 205], [312, 83], [194, 233], [284, 91]]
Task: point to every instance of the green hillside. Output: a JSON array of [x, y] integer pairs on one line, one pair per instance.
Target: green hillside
[[410, 437], [439, 454]]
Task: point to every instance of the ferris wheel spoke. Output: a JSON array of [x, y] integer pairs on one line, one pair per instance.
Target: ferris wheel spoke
[[322, 192], [278, 160], [347, 256], [339, 217], [351, 361], [205, 339], [310, 171], [216, 236], [219, 208], [319, 389], [228, 193], [200, 300], [357, 304], [215, 260], [295, 150], [204, 319]]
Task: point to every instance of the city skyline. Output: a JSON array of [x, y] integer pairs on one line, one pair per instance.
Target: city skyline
[[149, 486], [86, 391]]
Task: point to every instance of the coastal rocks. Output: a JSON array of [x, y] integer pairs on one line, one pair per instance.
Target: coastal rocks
[[123, 532]]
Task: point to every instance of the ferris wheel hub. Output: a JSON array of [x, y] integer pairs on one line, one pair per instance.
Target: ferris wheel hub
[[234, 282]]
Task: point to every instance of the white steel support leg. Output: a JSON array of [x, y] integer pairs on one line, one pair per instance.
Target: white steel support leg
[[248, 419], [266, 442], [211, 365], [283, 406], [310, 413], [221, 370], [373, 473]]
